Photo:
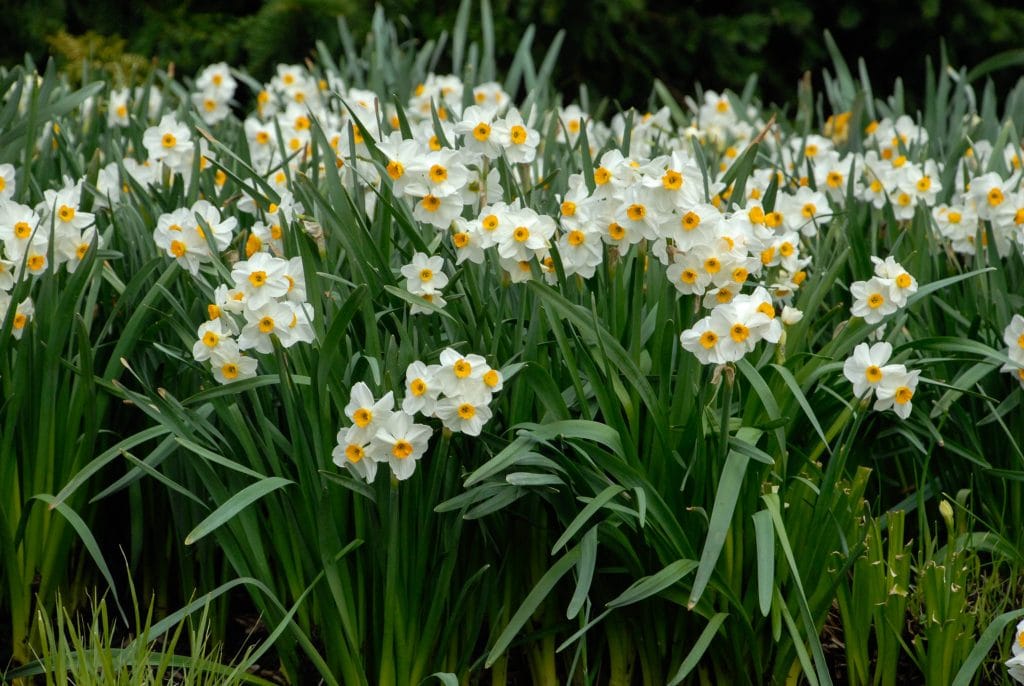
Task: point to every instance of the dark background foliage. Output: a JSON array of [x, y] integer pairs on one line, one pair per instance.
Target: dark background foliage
[[615, 46]]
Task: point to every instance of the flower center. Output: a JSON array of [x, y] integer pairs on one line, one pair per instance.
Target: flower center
[[210, 339], [258, 278], [616, 231], [168, 140], [229, 370], [903, 280], [568, 208], [636, 212], [995, 197], [739, 332], [462, 369], [602, 176], [712, 265], [466, 411], [873, 373], [903, 395], [354, 453], [521, 234], [482, 131], [178, 248], [688, 276], [362, 417], [417, 387], [461, 240], [438, 173], [492, 379], [518, 134], [431, 203], [401, 449], [490, 222], [576, 237], [691, 221], [22, 230], [266, 324], [395, 170], [66, 213], [808, 210], [876, 300], [708, 339], [672, 180]]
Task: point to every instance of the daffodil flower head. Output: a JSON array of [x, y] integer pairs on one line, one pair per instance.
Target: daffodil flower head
[[425, 274], [229, 364], [367, 413], [896, 391], [8, 182], [402, 442], [464, 414], [355, 454], [273, 318], [869, 366], [262, 278], [872, 300], [461, 375]]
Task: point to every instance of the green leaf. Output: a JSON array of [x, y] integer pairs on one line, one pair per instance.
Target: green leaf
[[726, 495], [699, 648], [446, 678], [82, 529], [531, 603], [764, 542], [656, 583], [584, 572], [585, 514], [234, 505]]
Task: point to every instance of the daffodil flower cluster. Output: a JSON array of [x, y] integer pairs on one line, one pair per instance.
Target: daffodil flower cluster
[[733, 329], [267, 297], [1015, 665], [215, 87], [424, 277], [56, 233], [884, 293], [458, 391], [869, 371], [1013, 336], [182, 234]]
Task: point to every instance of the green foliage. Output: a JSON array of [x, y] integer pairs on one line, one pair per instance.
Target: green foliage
[[94, 651], [677, 43]]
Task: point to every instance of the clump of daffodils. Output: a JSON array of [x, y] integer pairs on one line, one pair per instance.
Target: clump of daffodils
[[1015, 665], [458, 392], [884, 293], [733, 329], [425, 278], [892, 385], [266, 299], [1013, 336]]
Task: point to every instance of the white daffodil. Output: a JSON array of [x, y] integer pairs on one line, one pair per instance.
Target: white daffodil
[[868, 367], [402, 442]]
